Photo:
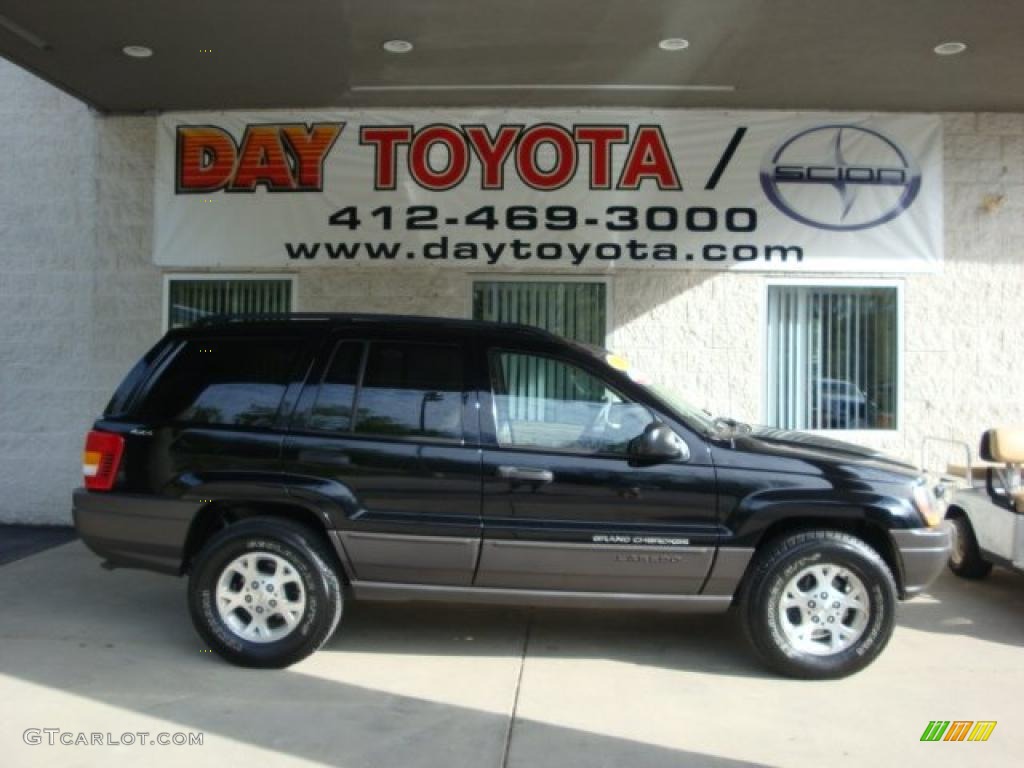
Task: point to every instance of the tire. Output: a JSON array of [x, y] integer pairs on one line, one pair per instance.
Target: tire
[[284, 560], [965, 560], [794, 569]]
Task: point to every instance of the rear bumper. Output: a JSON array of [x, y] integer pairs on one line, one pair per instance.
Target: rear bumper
[[134, 531], [924, 552]]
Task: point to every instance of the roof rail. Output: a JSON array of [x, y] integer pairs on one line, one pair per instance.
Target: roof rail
[[255, 317], [353, 317]]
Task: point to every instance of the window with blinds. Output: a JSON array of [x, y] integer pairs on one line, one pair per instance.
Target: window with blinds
[[190, 300], [833, 357], [575, 310]]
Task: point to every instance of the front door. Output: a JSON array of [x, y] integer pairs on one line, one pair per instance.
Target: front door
[[565, 507], [392, 424]]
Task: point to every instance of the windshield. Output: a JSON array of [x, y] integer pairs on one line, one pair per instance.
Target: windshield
[[695, 417]]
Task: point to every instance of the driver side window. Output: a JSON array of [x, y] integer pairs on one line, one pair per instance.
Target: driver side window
[[546, 403]]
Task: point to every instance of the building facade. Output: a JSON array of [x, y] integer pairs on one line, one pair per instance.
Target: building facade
[[81, 299]]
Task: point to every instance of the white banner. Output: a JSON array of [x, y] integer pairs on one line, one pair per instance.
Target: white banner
[[557, 189]]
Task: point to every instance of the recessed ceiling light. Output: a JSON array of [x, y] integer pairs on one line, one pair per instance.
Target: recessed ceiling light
[[396, 46], [951, 48], [674, 44], [137, 51]]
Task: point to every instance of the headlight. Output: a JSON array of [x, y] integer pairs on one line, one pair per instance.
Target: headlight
[[930, 504]]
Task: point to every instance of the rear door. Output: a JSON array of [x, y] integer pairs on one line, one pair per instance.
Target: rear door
[[565, 506], [390, 426]]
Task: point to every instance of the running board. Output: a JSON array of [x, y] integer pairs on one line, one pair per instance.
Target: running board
[[387, 591]]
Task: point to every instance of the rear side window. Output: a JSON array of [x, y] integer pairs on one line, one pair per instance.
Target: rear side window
[[411, 390], [233, 382]]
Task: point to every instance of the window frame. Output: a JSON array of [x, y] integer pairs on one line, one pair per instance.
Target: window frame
[[828, 282], [532, 277], [493, 351], [302, 419], [169, 277], [332, 355]]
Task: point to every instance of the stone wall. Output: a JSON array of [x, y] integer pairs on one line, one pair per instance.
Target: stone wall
[[79, 297], [80, 300]]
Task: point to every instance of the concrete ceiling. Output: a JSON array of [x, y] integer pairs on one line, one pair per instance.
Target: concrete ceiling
[[802, 54]]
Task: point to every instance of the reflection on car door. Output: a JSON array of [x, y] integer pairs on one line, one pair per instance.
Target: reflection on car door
[[393, 423], [564, 505]]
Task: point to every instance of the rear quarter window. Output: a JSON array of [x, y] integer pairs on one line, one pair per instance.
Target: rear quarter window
[[230, 382], [121, 402]]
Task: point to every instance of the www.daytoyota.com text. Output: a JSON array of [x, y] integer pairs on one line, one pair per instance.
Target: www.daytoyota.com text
[[665, 234]]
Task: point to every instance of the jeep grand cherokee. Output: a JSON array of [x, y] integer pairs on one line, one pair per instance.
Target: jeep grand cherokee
[[286, 464]]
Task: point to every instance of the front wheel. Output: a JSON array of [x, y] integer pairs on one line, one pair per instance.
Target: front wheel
[[263, 593], [965, 560], [819, 604]]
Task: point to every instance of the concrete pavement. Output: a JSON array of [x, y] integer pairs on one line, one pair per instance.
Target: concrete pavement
[[84, 650]]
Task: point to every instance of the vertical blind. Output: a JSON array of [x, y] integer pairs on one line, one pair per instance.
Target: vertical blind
[[833, 357], [192, 300], [574, 310]]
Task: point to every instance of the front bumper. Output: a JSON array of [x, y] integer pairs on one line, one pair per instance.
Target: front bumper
[[924, 552]]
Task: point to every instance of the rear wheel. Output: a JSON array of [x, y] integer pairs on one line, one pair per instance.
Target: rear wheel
[[263, 593], [965, 560], [819, 604]]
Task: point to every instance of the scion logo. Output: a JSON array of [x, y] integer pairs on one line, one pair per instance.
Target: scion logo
[[873, 178]]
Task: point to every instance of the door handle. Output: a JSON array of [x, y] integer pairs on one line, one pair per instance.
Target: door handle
[[526, 474]]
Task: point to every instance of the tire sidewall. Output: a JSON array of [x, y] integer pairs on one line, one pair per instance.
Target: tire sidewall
[[202, 597], [962, 541], [965, 559], [881, 608]]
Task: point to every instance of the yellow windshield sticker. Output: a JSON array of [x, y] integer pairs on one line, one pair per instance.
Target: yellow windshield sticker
[[618, 362]]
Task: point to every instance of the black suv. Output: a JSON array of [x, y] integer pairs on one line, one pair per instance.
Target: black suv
[[285, 462]]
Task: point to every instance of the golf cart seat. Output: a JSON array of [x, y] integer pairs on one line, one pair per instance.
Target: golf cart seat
[[1005, 446]]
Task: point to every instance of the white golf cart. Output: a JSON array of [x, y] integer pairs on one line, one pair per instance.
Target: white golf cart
[[987, 509]]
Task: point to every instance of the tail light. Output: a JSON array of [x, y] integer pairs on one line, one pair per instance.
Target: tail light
[[101, 459]]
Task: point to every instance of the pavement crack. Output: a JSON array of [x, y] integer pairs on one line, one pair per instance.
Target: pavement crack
[[515, 696]]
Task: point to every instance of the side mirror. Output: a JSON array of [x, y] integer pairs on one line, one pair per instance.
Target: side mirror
[[658, 443]]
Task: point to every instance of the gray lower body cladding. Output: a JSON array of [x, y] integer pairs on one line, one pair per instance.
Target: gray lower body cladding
[[924, 552], [385, 566], [139, 531], [150, 533], [403, 558], [365, 590], [509, 563]]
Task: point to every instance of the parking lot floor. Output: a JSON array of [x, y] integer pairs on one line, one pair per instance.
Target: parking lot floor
[[88, 651]]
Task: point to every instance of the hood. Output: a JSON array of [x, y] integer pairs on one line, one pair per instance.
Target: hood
[[802, 445]]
